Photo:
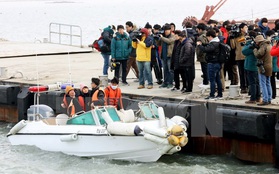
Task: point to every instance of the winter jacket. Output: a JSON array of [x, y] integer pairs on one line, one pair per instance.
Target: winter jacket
[[107, 36], [235, 44], [187, 53], [250, 62], [175, 55], [133, 51], [263, 53], [263, 28], [275, 53], [169, 40], [211, 50], [201, 54], [143, 49], [121, 46], [225, 33]]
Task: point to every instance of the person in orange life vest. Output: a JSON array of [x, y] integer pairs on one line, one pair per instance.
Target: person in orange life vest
[[113, 94], [97, 95], [84, 98], [70, 101]]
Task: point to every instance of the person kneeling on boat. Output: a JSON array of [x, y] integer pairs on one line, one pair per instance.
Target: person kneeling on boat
[[70, 102], [97, 94], [113, 94]]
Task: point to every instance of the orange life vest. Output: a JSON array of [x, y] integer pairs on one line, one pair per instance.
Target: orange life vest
[[95, 96], [69, 106], [113, 96], [81, 102]]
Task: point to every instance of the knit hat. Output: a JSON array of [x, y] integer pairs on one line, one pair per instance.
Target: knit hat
[[96, 81], [147, 25], [157, 27], [259, 38], [68, 89], [82, 86], [145, 31]]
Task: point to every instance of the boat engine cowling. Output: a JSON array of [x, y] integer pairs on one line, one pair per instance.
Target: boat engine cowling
[[41, 111]]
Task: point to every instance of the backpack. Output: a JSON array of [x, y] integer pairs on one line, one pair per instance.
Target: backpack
[[224, 52], [97, 44]]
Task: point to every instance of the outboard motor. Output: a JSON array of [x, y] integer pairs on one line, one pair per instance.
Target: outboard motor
[[37, 112]]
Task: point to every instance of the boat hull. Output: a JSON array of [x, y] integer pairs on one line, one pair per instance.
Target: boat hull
[[86, 141]]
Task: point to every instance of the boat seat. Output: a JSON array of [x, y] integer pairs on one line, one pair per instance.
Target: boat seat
[[61, 119], [149, 110], [127, 117]]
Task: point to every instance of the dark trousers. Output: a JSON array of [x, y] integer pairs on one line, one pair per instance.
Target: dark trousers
[[254, 85], [132, 63], [214, 77], [180, 71], [242, 75], [204, 72], [189, 77], [123, 64], [273, 84], [157, 70]]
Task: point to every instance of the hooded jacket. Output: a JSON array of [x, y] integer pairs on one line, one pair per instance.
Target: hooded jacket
[[263, 53], [263, 28], [143, 48], [121, 46], [107, 36], [250, 62], [200, 53]]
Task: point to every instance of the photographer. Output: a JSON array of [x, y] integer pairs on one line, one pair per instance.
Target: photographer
[[250, 65], [143, 43], [262, 52], [237, 34], [167, 42]]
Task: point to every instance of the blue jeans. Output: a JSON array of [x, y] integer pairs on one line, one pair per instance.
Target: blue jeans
[[106, 63], [266, 87], [168, 73], [214, 77], [254, 86], [144, 73]]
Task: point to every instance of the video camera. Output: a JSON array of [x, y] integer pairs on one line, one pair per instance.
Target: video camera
[[157, 34], [136, 35], [275, 38], [235, 31]]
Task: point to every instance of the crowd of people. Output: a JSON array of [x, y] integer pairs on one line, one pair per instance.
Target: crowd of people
[[171, 53]]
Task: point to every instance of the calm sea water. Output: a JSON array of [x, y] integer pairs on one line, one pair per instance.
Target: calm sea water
[[28, 159], [27, 21]]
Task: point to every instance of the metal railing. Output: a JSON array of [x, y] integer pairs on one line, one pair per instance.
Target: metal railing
[[60, 33]]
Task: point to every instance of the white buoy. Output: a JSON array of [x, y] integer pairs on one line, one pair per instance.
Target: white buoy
[[68, 138], [18, 127], [156, 131], [156, 139], [174, 150], [162, 117], [119, 128]]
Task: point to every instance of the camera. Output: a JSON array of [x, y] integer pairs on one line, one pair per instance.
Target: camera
[[235, 31], [260, 65], [275, 38], [157, 34], [113, 65], [136, 35], [253, 45]]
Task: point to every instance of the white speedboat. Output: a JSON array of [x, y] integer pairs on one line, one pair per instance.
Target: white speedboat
[[103, 132]]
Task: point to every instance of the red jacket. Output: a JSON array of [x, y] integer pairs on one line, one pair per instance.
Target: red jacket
[[275, 52], [225, 33]]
